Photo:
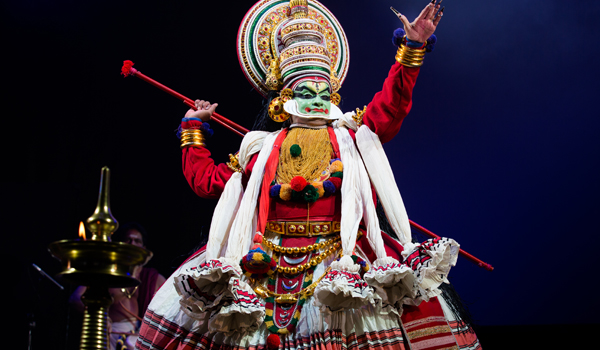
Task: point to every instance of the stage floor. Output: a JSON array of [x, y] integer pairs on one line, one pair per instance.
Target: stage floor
[[538, 337]]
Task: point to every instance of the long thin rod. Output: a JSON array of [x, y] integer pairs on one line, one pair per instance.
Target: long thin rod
[[464, 254], [240, 130]]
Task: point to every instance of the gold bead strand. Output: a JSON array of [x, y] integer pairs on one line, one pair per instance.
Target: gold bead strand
[[314, 157]]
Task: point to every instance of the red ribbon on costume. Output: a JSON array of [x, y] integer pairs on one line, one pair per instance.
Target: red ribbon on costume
[[270, 170], [128, 70]]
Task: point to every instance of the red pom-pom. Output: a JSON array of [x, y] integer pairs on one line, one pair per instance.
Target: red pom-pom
[[298, 183], [273, 341], [258, 238], [336, 181], [127, 66]]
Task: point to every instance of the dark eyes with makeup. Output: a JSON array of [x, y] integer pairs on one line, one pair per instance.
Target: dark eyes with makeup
[[307, 95]]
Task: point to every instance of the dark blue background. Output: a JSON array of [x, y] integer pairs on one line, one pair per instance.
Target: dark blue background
[[500, 151]]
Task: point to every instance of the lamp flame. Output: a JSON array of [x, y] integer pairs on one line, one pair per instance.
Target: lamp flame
[[81, 230]]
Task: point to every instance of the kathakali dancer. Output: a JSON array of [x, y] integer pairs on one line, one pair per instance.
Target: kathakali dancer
[[296, 258]]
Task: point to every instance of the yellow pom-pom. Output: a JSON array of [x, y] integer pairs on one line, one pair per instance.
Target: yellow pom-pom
[[336, 167], [285, 193], [319, 187], [257, 257]]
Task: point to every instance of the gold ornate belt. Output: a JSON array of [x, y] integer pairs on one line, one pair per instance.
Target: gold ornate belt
[[303, 228]]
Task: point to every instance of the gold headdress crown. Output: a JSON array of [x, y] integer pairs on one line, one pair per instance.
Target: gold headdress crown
[[280, 42], [304, 51], [299, 8]]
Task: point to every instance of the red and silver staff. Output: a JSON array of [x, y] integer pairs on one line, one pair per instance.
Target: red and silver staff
[[128, 70]]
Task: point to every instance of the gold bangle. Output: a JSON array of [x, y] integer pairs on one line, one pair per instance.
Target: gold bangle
[[193, 144], [191, 133], [410, 57], [192, 137]]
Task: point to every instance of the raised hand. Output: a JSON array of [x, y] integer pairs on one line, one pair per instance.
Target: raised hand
[[425, 24], [204, 110]]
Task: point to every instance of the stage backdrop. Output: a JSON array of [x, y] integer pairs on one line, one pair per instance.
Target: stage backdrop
[[500, 151]]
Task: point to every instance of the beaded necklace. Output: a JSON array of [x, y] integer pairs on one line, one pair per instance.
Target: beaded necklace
[[292, 303], [304, 152], [305, 170]]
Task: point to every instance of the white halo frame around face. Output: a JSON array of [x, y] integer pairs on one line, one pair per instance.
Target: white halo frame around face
[[291, 106]]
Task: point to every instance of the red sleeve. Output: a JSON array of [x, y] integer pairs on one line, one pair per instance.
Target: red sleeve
[[202, 174], [206, 179], [388, 108]]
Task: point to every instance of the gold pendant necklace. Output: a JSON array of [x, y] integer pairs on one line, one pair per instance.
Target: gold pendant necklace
[[126, 292]]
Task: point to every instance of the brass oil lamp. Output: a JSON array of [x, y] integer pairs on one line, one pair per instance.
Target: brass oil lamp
[[98, 264]]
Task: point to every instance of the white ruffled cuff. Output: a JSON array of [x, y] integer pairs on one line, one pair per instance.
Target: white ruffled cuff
[[431, 262], [392, 280], [244, 312], [205, 286], [408, 248], [343, 288]]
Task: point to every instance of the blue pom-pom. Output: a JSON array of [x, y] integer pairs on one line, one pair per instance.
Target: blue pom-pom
[[206, 129], [257, 250], [398, 36], [329, 187], [191, 118], [274, 191], [431, 43], [178, 134]]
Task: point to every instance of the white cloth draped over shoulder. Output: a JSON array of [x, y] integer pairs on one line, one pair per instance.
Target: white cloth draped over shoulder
[[365, 163], [231, 198]]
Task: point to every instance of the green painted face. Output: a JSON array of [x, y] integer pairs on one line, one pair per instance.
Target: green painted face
[[313, 98]]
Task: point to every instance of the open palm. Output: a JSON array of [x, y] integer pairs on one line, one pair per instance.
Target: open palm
[[424, 25]]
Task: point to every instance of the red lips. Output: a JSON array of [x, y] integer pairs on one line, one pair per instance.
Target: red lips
[[320, 110]]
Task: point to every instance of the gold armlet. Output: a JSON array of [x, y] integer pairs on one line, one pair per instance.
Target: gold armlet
[[234, 163], [410, 57], [358, 117], [192, 137]]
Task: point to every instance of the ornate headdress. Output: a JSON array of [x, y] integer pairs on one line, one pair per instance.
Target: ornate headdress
[[284, 42]]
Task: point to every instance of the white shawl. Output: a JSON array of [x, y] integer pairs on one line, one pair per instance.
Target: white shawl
[[236, 209]]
